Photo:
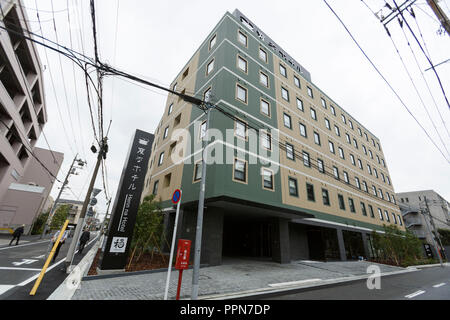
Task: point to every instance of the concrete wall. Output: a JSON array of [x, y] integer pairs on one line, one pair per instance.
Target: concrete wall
[[298, 242]]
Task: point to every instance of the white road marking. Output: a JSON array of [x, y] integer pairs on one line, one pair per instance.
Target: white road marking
[[24, 261], [439, 285], [39, 257], [4, 288], [415, 294], [22, 269], [23, 245], [292, 283]]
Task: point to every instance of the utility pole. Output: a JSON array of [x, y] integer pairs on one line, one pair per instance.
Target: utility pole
[[435, 231], [201, 205], [101, 155], [440, 14], [66, 181]]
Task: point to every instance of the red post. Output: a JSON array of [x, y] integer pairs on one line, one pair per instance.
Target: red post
[[182, 262], [180, 279]]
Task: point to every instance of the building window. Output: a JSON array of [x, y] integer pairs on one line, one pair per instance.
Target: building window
[[241, 94], [374, 190], [346, 177], [306, 161], [324, 103], [155, 187], [242, 64], [369, 169], [325, 197], [364, 149], [264, 79], [394, 218], [372, 215], [386, 214], [327, 124], [310, 192], [355, 143], [351, 205], [212, 42], [341, 152], [358, 185], [380, 214], [242, 38], [170, 109], [265, 107], [371, 154], [316, 138], [210, 67], [380, 193], [297, 82], [365, 186], [378, 159], [347, 137], [373, 142], [303, 130], [300, 104], [343, 119], [313, 114], [240, 170], [310, 92], [350, 123], [287, 121], [161, 159], [207, 95], [290, 151], [203, 130], [285, 94], [166, 133], [375, 172], [341, 202], [320, 165], [266, 141], [198, 171], [365, 135], [267, 179], [263, 55], [333, 111], [241, 129], [352, 158], [400, 220], [338, 132], [360, 164], [336, 172], [331, 146], [363, 209], [293, 190], [388, 180], [283, 71]]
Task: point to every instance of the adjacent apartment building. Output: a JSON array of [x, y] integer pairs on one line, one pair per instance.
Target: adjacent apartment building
[[314, 182], [24, 184]]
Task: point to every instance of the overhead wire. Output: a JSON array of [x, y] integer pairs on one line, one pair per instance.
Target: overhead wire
[[385, 80]]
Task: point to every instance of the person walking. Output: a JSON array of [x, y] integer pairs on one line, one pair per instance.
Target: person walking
[[85, 236], [17, 233], [61, 242]]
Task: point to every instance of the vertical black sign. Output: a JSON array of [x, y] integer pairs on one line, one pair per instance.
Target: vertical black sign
[[126, 204]]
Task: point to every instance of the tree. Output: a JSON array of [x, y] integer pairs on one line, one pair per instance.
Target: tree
[[445, 236], [40, 222], [60, 217], [149, 226]]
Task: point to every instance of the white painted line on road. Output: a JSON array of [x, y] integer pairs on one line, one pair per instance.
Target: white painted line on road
[[439, 285], [24, 283], [39, 257], [415, 294], [20, 269], [23, 245], [4, 288], [292, 283]]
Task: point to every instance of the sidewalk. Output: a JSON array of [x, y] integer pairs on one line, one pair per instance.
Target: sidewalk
[[232, 279]]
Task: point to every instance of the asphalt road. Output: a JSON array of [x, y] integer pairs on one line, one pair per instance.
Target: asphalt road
[[425, 284], [21, 265]]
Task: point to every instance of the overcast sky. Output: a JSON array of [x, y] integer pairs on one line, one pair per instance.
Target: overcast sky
[[155, 39]]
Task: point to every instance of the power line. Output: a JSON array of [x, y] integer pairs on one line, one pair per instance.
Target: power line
[[384, 79]]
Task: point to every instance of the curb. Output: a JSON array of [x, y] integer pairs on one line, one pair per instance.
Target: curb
[[296, 288], [445, 264], [67, 289]]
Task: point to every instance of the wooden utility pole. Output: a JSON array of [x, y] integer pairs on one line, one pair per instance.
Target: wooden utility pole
[[440, 14]]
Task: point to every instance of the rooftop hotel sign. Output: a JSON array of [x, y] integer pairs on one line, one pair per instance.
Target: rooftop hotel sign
[[270, 43]]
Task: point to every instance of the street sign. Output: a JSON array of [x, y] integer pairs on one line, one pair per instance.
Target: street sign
[[176, 196]]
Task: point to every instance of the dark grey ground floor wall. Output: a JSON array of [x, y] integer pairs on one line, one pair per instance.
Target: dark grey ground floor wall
[[299, 242]]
